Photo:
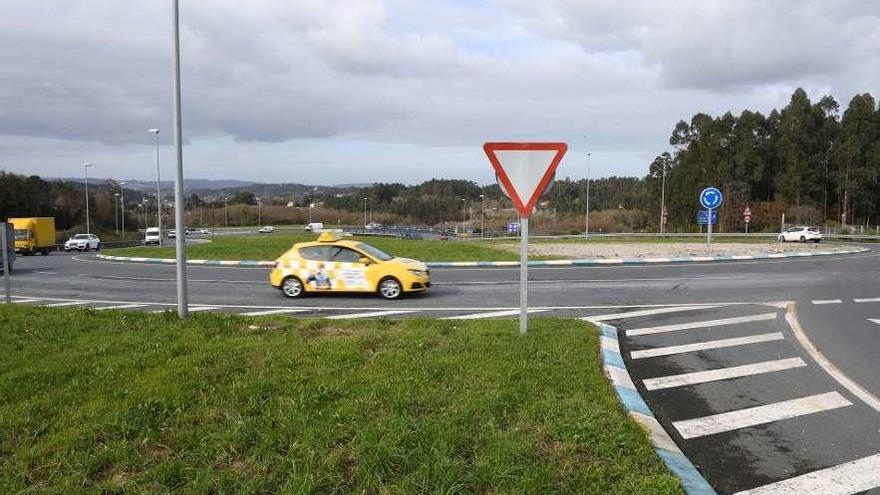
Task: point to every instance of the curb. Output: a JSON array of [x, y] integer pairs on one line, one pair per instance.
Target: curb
[[615, 369], [576, 262]]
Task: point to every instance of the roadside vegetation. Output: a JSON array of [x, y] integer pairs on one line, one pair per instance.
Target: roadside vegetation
[[117, 402]]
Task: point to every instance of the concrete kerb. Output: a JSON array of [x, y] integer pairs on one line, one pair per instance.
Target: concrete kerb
[[574, 262], [615, 369]]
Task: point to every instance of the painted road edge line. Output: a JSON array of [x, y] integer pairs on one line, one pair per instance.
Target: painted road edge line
[[849, 478], [615, 369], [472, 264], [836, 373]]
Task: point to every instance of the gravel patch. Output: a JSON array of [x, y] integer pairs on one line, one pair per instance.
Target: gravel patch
[[570, 250]]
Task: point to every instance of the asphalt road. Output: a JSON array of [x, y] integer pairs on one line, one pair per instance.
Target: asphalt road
[[836, 302]]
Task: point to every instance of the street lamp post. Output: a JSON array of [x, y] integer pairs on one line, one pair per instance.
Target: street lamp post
[[182, 296], [226, 210], [88, 226], [144, 206], [663, 200], [482, 215], [463, 214], [116, 211], [259, 212], [365, 213], [122, 203], [587, 217], [155, 133]]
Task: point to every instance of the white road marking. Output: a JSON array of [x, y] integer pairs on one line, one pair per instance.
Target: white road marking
[[872, 320], [196, 309], [844, 479], [839, 376], [820, 302], [24, 301], [703, 346], [715, 375], [494, 314], [753, 416], [63, 304], [371, 314], [120, 306], [700, 324], [867, 300], [273, 312], [644, 312]]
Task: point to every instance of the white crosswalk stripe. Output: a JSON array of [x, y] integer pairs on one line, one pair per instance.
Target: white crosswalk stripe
[[493, 314], [700, 324], [753, 416], [820, 302], [715, 375], [873, 320], [371, 314], [867, 300], [274, 312], [704, 346], [844, 479], [644, 312]]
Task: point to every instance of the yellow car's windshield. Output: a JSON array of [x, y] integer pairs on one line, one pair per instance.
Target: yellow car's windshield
[[374, 252]]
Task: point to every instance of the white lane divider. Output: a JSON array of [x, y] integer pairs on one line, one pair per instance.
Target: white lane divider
[[820, 302], [715, 375], [704, 346], [64, 304], [867, 300], [24, 301], [850, 478], [273, 312], [494, 314], [700, 324], [371, 314], [644, 312], [753, 416], [120, 306]]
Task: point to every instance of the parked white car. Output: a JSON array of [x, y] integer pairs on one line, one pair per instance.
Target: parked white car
[[801, 234], [268, 229], [151, 236], [83, 242], [172, 234]]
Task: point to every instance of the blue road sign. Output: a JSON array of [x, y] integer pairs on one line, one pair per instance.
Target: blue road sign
[[703, 217], [512, 227], [711, 198]]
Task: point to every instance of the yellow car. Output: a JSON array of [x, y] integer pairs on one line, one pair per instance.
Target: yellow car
[[334, 264]]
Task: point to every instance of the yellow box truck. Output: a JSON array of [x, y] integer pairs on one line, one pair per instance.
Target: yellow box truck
[[34, 235]]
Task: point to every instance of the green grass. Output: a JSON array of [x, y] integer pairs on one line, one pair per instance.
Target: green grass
[[114, 402], [270, 246]]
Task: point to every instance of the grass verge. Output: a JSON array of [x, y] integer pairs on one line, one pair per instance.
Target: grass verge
[[116, 402], [269, 246]]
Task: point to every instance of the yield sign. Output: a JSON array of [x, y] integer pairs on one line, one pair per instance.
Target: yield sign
[[525, 169]]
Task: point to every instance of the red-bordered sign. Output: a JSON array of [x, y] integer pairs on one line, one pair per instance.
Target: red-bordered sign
[[531, 172]]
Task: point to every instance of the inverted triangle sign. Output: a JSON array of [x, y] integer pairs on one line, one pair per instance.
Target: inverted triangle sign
[[525, 170]]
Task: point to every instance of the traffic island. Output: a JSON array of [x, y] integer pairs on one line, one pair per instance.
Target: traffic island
[[232, 405]]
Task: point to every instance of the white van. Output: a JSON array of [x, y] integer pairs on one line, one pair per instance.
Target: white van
[[315, 227], [151, 236]]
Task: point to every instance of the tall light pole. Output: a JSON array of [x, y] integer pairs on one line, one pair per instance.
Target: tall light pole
[[182, 303], [663, 200], [155, 133], [463, 213], [482, 215], [587, 218], [259, 212], [86, 168], [365, 212], [226, 210], [122, 203], [144, 206], [116, 211]]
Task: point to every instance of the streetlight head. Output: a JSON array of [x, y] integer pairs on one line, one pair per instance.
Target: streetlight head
[[123, 183], [87, 165], [153, 131]]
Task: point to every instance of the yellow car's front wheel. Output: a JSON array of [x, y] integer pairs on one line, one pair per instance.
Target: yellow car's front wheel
[[390, 288]]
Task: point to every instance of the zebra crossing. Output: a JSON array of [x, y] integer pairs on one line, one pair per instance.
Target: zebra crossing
[[734, 390]]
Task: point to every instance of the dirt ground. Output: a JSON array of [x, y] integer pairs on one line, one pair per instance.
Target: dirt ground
[[601, 250]]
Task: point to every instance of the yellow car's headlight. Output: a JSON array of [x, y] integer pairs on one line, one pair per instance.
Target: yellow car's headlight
[[417, 273]]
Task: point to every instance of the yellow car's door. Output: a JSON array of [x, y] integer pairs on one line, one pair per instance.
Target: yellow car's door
[[350, 272]]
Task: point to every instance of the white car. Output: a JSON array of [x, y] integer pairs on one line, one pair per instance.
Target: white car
[[151, 236], [801, 234], [266, 230], [83, 242], [172, 234], [205, 231]]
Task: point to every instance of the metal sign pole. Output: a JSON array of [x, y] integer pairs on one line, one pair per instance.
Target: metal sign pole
[[709, 227], [179, 205], [524, 275], [7, 288]]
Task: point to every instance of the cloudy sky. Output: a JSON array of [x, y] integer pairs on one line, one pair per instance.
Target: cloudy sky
[[343, 91]]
